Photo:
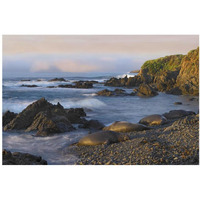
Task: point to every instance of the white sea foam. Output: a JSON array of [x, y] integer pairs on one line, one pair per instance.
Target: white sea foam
[[84, 103], [16, 106], [123, 75], [90, 95]]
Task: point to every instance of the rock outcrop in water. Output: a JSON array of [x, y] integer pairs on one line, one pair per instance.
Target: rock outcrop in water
[[43, 117], [18, 158], [116, 92], [79, 84], [48, 119], [146, 90], [176, 74], [8, 116], [57, 79]]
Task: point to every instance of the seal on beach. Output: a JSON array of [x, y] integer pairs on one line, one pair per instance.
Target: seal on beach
[[102, 137], [153, 120], [125, 127]]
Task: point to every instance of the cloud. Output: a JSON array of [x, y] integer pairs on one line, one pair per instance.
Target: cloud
[[63, 66]]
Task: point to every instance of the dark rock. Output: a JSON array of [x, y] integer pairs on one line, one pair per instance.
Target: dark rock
[[8, 117], [153, 120], [51, 86], [173, 114], [29, 85], [84, 84], [57, 79], [92, 125], [79, 84], [146, 90], [25, 80], [178, 103], [42, 116], [75, 115], [18, 158], [125, 127], [174, 91], [93, 82]]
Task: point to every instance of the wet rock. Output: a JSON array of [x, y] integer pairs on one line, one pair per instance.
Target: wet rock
[[57, 79], [24, 80], [173, 114], [29, 85], [116, 92], [8, 117], [42, 116], [18, 158], [75, 115], [92, 125], [51, 86], [146, 90], [152, 120], [102, 137], [79, 84], [178, 103], [125, 127]]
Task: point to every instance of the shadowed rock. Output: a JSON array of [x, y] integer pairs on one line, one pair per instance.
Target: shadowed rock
[[8, 116], [18, 158], [125, 127], [102, 137], [42, 116], [57, 79], [152, 120], [116, 92], [93, 125], [173, 114], [146, 90], [75, 115], [29, 85]]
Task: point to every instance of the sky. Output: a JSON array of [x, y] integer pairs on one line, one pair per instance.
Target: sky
[[89, 53]]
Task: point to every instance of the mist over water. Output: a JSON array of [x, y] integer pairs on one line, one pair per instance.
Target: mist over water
[[104, 109]]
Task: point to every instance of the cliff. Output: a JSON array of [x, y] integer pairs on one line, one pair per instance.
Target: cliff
[[175, 74]]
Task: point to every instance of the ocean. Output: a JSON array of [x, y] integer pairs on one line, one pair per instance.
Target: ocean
[[105, 109]]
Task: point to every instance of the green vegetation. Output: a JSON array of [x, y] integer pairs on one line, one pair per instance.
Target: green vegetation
[[163, 64]]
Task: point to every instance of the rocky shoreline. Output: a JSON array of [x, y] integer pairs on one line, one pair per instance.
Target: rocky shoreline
[[176, 74], [174, 143]]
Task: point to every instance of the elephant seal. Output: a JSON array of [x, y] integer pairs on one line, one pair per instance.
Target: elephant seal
[[153, 120], [102, 137], [125, 127]]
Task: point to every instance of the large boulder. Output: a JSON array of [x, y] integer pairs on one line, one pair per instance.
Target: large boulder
[[102, 137], [125, 127], [146, 90], [43, 117], [153, 120], [8, 116], [18, 158], [174, 114]]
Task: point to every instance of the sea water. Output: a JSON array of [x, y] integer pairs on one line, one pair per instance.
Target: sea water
[[105, 109]]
